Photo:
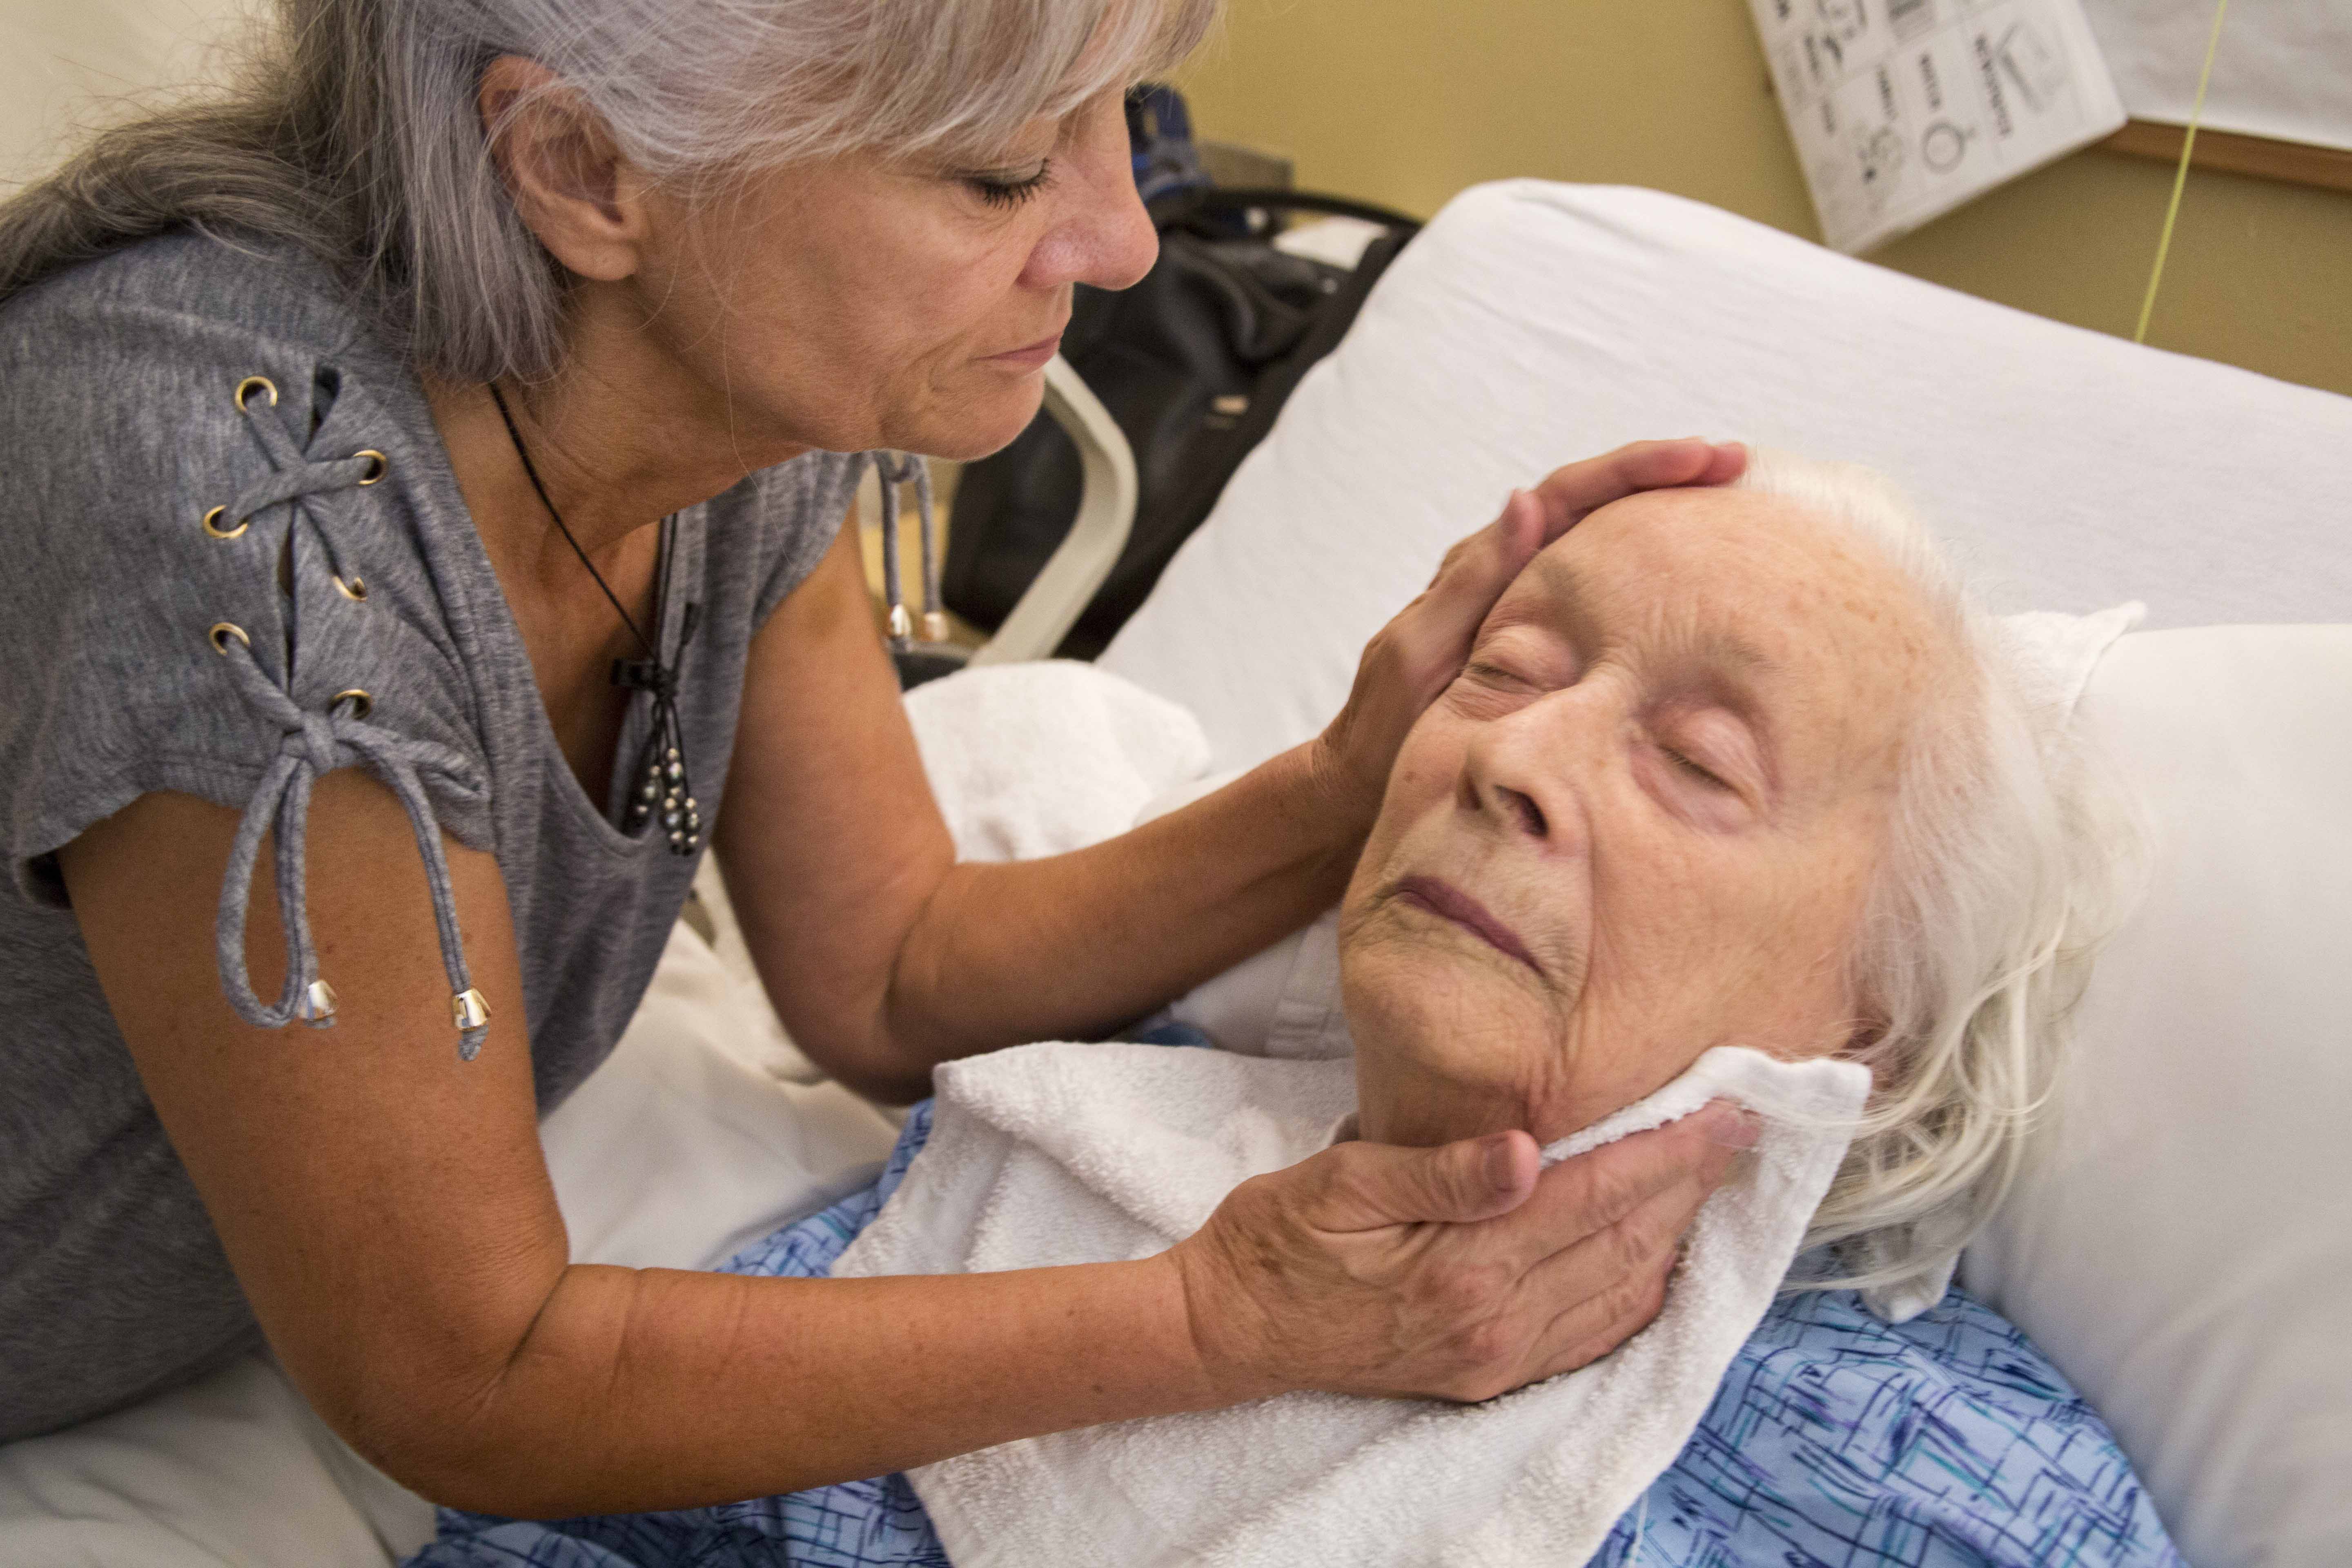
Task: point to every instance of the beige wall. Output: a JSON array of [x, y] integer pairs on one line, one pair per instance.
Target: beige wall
[[1407, 101]]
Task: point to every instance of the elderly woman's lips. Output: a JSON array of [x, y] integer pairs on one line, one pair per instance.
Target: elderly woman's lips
[[1449, 902]]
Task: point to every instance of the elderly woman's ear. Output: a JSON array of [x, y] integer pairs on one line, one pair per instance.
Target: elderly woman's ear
[[571, 185]]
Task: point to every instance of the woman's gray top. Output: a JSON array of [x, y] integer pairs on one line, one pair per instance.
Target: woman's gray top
[[119, 432]]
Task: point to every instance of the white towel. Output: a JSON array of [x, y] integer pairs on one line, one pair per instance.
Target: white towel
[[1035, 759], [1070, 1154]]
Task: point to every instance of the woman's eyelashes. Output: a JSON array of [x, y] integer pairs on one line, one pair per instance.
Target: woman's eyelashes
[[1696, 771], [1008, 187], [1514, 661]]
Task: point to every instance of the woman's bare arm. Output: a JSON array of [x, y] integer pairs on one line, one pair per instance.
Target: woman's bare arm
[[883, 955], [390, 1217]]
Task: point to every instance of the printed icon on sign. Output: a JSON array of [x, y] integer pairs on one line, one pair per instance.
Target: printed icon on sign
[[1841, 22], [1943, 146], [1910, 18], [2038, 70], [1882, 161]]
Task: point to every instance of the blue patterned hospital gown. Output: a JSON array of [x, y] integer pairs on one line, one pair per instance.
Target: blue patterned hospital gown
[[1836, 1441]]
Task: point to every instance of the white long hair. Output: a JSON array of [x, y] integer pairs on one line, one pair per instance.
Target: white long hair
[[355, 134], [2011, 854]]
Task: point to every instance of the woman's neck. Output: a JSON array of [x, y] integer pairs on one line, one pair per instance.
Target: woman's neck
[[622, 436]]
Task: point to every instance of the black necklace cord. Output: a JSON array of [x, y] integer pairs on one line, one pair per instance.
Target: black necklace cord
[[662, 789]]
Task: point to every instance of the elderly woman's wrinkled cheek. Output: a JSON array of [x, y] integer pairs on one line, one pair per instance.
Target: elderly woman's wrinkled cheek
[[1752, 953], [1448, 1045]]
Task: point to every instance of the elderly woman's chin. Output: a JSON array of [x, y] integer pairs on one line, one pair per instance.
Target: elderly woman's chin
[[1449, 1042]]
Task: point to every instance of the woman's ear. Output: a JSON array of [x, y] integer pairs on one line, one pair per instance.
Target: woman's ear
[[568, 180]]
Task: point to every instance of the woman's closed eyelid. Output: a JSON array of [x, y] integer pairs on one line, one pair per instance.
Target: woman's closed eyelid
[[1696, 768], [1009, 187], [1717, 748], [1507, 652]]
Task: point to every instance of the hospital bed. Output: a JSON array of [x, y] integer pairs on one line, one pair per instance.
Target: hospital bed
[[2184, 1247]]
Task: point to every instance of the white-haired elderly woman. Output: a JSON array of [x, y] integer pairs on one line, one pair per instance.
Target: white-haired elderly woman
[[1727, 768], [430, 462]]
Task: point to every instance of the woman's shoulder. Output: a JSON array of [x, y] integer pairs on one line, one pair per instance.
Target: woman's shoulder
[[1824, 1364], [125, 379], [773, 527], [1950, 1438], [142, 297], [203, 449]]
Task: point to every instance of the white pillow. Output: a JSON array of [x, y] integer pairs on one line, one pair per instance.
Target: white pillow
[[2183, 1249], [1028, 760]]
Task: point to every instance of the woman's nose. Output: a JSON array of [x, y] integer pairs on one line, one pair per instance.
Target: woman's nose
[[1522, 774], [1103, 236]]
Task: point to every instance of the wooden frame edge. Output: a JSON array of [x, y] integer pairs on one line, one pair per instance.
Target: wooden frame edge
[[2297, 163]]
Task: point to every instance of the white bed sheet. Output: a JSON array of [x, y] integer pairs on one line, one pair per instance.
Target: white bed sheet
[[1533, 323]]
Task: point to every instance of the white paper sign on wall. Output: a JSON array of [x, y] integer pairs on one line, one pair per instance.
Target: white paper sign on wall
[[1903, 109]]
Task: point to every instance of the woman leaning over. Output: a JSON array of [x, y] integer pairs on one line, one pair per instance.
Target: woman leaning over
[[331, 413]]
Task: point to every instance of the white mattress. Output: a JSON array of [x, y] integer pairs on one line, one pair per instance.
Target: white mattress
[[1533, 323]]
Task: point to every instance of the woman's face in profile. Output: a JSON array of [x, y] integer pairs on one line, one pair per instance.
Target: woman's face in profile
[[1641, 823], [853, 303]]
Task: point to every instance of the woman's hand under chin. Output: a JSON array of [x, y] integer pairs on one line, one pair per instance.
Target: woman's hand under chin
[[1457, 1272], [1418, 654]]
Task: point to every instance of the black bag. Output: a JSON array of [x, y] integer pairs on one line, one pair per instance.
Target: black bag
[[1194, 364]]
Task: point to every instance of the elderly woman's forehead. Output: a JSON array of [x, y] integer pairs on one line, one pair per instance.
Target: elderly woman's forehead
[[1791, 590], [1700, 525], [1735, 552]]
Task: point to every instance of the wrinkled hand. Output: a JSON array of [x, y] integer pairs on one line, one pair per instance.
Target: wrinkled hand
[[1418, 654], [1453, 1273]]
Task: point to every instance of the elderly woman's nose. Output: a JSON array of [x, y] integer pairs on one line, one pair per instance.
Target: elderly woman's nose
[[1516, 782]]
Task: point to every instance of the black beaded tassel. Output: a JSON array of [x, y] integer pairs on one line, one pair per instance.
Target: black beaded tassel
[[664, 794]]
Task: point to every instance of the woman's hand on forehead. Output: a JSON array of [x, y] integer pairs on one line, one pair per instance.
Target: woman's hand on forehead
[[1570, 494], [1419, 654]]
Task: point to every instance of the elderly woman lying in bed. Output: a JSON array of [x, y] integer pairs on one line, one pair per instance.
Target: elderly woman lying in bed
[[1735, 768]]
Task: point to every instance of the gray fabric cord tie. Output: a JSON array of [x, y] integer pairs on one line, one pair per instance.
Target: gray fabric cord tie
[[313, 744], [893, 469]]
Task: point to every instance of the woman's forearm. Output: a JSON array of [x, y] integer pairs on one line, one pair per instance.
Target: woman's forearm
[[661, 1389], [1068, 946]]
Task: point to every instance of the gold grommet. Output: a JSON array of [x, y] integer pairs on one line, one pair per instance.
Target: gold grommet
[[211, 522], [245, 389], [363, 704], [356, 588], [378, 469], [223, 630], [467, 1009]]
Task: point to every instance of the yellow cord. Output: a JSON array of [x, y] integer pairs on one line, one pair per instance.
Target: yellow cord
[[2180, 175]]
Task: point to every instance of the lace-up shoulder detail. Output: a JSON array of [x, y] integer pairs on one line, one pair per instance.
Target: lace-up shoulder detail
[[294, 510], [243, 563]]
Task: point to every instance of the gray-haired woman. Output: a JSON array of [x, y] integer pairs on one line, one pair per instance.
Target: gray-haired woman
[[364, 428]]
